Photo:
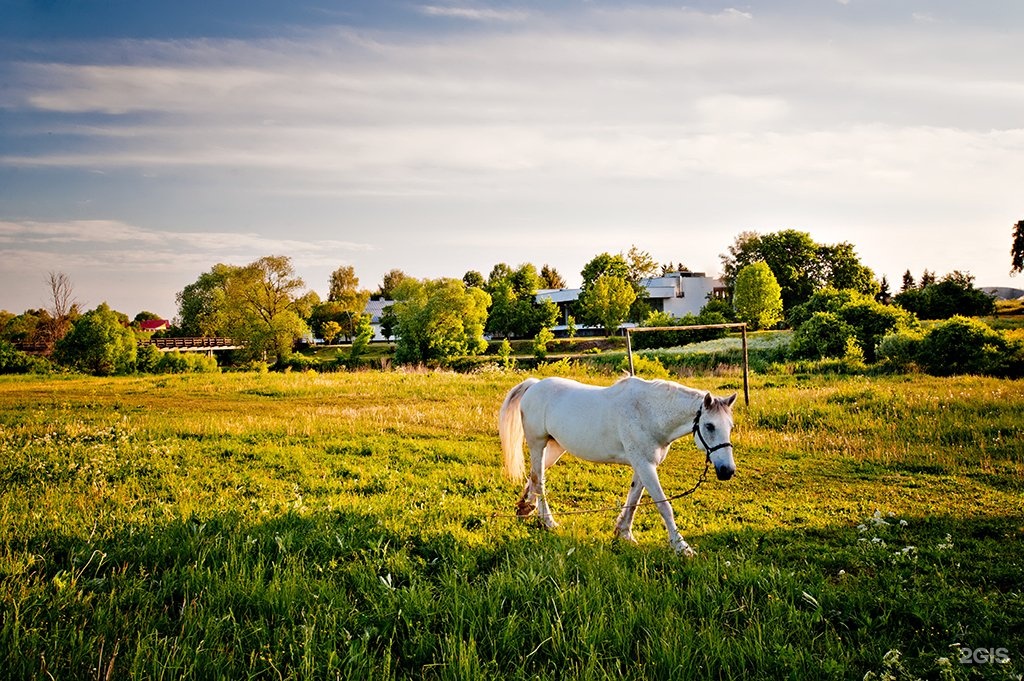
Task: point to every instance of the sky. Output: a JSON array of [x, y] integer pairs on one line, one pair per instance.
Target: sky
[[141, 143]]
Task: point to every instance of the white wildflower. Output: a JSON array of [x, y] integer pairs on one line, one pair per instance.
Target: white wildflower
[[903, 523]]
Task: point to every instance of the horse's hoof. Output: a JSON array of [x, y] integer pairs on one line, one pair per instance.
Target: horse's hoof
[[626, 537], [687, 552], [523, 509]]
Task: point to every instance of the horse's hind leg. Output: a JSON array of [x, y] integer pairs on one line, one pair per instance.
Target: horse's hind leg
[[524, 507], [624, 523], [538, 462]]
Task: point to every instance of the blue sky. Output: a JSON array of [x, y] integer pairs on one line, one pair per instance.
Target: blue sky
[[143, 142]]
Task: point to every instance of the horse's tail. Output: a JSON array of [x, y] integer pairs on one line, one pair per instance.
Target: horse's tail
[[510, 427]]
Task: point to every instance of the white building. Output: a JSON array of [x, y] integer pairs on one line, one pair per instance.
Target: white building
[[374, 308], [677, 293]]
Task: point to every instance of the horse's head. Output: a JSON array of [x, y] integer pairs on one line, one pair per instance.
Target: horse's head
[[711, 429]]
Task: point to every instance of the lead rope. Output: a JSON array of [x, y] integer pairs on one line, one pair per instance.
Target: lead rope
[[649, 502]]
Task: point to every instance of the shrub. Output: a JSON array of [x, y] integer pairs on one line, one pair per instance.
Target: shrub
[[505, 358], [186, 363], [147, 358], [98, 344], [899, 350], [645, 366], [298, 362], [14, 361], [953, 295], [869, 319], [966, 346], [664, 339], [757, 296], [825, 334], [540, 343]]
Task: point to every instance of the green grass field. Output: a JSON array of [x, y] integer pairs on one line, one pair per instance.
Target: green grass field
[[357, 525]]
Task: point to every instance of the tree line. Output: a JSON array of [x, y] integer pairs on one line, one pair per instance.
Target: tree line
[[772, 279]]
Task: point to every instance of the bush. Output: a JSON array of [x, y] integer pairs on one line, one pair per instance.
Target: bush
[[869, 319], [645, 366], [967, 346], [667, 339], [14, 361], [147, 358], [297, 362], [505, 358], [540, 343], [825, 334], [98, 344], [186, 363], [899, 351], [953, 295]]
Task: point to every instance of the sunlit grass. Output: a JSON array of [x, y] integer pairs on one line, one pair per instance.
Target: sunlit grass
[[357, 525]]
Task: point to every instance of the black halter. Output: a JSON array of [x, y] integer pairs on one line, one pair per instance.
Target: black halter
[[708, 449]]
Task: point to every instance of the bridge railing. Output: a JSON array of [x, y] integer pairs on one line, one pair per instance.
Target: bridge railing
[[193, 343]]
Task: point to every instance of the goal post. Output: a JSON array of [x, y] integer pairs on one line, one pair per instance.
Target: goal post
[[695, 327]]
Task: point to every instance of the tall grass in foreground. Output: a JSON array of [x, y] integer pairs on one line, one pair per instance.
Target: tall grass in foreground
[[357, 526]]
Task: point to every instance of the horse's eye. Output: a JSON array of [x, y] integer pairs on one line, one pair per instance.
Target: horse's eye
[[710, 427]]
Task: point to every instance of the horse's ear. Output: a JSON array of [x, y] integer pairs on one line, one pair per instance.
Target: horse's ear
[[730, 400], [708, 400]]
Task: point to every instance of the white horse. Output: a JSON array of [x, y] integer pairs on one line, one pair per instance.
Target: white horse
[[632, 422]]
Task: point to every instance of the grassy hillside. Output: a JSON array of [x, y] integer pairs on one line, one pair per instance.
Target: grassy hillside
[[356, 525]]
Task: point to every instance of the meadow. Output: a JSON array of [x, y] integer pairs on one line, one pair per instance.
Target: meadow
[[356, 525]]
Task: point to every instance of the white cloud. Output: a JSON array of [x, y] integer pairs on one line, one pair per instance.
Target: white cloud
[[637, 116], [134, 248], [473, 13]]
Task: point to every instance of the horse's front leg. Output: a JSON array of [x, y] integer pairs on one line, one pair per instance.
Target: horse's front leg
[[624, 523], [648, 474]]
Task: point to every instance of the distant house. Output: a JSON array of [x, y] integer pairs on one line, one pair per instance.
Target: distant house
[[152, 325], [374, 308], [677, 293]]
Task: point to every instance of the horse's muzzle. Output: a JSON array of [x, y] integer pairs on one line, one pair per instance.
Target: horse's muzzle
[[724, 472]]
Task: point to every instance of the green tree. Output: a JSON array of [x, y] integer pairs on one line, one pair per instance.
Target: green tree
[[757, 297], [474, 278], [604, 264], [362, 338], [264, 305], [391, 280], [202, 305], [800, 265], [540, 343], [550, 277], [330, 331], [825, 334], [515, 310], [953, 295], [438, 319], [1017, 249], [345, 302], [606, 302], [388, 322], [908, 282], [98, 343]]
